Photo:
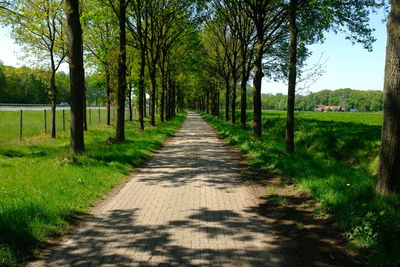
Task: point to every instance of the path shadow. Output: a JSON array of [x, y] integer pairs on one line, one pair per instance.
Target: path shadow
[[201, 235], [116, 238]]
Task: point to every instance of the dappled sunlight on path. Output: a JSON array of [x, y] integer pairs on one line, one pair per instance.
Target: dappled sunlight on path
[[187, 206]]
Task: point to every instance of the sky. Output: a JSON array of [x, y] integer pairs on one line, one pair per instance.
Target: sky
[[345, 65]]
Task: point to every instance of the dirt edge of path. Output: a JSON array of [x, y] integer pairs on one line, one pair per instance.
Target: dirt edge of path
[[307, 237]]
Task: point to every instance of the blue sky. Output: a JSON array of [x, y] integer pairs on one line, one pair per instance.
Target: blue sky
[[347, 65]]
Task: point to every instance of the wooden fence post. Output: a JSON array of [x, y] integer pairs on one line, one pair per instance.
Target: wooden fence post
[[45, 123], [63, 119], [90, 116], [99, 115], [20, 124]]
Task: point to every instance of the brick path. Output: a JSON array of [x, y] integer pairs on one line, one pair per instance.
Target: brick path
[[187, 206]]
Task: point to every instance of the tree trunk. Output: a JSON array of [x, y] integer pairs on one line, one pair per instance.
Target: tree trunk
[[168, 103], [292, 78], [173, 101], [108, 95], [140, 101], [142, 94], [227, 95], [84, 112], [163, 95], [168, 107], [207, 102], [218, 103], [130, 103], [258, 75], [153, 96], [76, 74], [53, 100], [389, 162], [243, 92], [234, 99], [145, 104], [120, 130]]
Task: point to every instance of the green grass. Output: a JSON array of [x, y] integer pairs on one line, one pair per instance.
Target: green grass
[[42, 190], [33, 122], [336, 159]]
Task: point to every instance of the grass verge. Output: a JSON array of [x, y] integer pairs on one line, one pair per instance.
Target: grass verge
[[335, 161], [42, 190], [33, 122]]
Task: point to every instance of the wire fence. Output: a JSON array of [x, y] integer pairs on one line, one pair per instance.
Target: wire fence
[[22, 123]]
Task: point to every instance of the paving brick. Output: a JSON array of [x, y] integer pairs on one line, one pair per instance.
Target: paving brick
[[186, 207]]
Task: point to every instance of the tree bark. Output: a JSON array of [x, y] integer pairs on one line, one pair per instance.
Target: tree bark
[[53, 99], [258, 75], [207, 102], [234, 99], [227, 95], [218, 102], [84, 112], [243, 94], [142, 96], [120, 130], [389, 162], [292, 78], [173, 102], [108, 95], [145, 105], [76, 74], [153, 96], [170, 103], [130, 102], [163, 96]]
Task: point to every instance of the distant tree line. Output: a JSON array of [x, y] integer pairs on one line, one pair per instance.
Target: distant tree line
[[30, 86], [369, 100], [360, 100]]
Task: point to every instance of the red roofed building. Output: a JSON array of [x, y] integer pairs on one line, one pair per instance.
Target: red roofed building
[[323, 108]]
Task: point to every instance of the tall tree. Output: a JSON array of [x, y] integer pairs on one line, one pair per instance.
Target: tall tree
[[389, 162], [39, 27], [243, 28], [120, 12], [77, 80], [100, 38], [154, 25], [268, 16], [316, 17], [292, 76], [219, 44], [138, 28], [176, 25]]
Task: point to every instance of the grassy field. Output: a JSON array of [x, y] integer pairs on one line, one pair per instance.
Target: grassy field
[[33, 122], [42, 190], [337, 156]]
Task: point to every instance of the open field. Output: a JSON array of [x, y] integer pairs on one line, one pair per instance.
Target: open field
[[43, 189], [336, 159], [33, 121]]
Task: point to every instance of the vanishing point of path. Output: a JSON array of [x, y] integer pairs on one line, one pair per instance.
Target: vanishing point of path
[[187, 206]]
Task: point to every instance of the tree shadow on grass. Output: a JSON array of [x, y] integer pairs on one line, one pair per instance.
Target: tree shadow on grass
[[347, 193], [26, 223], [333, 161], [19, 236]]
